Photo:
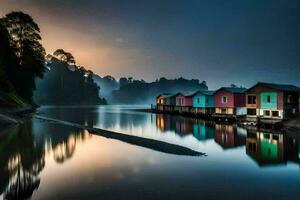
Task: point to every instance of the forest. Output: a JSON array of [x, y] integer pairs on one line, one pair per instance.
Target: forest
[[66, 83], [131, 91]]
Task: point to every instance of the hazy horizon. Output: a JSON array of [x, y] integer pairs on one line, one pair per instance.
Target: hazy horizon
[[221, 42]]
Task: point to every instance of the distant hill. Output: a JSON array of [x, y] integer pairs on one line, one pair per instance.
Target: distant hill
[[141, 92]]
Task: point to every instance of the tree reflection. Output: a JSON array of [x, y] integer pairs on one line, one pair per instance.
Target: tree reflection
[[23, 151], [21, 162], [22, 182], [65, 149]]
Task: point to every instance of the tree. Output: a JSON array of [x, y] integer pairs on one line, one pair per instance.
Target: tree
[[64, 56], [123, 82], [8, 60], [204, 83], [130, 79], [64, 83], [25, 39]]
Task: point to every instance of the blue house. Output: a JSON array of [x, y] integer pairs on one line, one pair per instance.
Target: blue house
[[204, 102]]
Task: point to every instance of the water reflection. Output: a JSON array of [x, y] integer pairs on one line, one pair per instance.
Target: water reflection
[[268, 148], [265, 148], [25, 167], [226, 135], [23, 149], [230, 136], [21, 162]]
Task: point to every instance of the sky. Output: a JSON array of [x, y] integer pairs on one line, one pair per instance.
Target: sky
[[220, 41]]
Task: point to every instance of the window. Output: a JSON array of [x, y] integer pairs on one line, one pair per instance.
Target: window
[[275, 113], [275, 137], [267, 113], [251, 111], [198, 100], [269, 99], [207, 100], [251, 99], [224, 99], [223, 110], [252, 147], [289, 99]]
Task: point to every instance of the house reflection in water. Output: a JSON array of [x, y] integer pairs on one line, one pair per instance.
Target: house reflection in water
[[204, 130], [184, 126], [180, 125], [230, 136], [265, 148], [163, 122], [293, 148]]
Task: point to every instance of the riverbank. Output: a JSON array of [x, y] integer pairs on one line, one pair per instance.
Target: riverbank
[[291, 125], [15, 115]]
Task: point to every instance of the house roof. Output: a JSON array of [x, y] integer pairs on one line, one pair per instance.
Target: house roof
[[177, 94], [165, 95], [204, 92], [233, 89], [282, 87]]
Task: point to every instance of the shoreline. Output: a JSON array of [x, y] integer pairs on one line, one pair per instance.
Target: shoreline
[[291, 125], [15, 115]]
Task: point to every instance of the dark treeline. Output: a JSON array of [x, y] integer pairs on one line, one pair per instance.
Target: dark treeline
[[130, 91], [21, 59], [66, 84]]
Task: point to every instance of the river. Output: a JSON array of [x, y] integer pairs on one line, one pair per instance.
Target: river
[[45, 160]]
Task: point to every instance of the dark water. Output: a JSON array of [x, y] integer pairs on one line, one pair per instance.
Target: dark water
[[44, 160]]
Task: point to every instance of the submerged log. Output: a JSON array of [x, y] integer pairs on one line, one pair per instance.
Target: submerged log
[[131, 139]]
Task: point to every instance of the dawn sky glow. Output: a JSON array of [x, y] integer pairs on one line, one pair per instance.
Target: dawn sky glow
[[222, 42]]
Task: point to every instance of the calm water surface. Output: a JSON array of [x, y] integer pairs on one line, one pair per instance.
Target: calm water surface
[[44, 160]]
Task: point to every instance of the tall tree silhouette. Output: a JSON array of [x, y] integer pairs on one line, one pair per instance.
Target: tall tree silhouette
[[8, 60], [25, 39]]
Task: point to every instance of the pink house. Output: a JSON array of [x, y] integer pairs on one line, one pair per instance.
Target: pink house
[[183, 103], [182, 100], [230, 101]]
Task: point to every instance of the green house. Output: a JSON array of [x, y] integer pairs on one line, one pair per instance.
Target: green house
[[268, 100], [204, 102], [272, 101]]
